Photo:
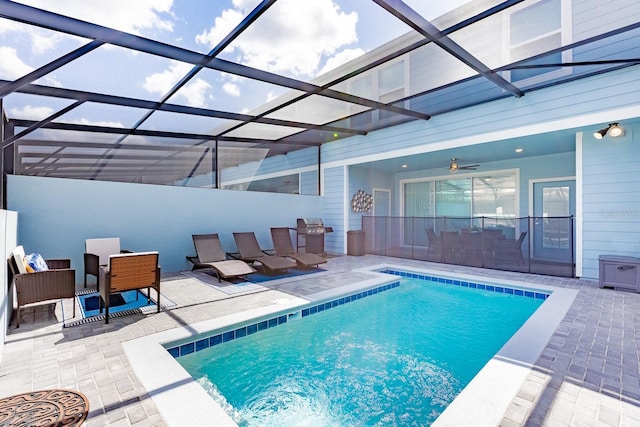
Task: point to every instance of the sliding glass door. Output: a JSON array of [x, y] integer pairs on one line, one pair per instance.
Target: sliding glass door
[[460, 199]]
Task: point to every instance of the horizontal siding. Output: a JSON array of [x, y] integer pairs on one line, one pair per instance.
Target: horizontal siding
[[592, 17], [282, 164], [599, 93], [309, 183], [611, 200], [333, 209]]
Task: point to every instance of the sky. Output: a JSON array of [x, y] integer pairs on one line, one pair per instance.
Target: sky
[[300, 39]]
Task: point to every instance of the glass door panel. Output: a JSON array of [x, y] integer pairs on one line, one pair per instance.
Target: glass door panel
[[553, 204]]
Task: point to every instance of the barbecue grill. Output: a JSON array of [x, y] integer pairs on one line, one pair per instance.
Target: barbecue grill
[[311, 233]]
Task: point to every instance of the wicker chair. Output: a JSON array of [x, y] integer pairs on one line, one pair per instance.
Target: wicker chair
[[127, 272], [42, 286], [97, 253]]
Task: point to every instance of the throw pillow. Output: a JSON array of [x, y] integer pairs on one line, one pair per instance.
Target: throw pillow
[[36, 262]]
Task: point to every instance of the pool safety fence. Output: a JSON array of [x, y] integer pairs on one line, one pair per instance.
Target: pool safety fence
[[538, 245]]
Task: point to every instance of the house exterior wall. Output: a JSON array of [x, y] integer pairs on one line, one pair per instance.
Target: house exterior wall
[[611, 208], [580, 104], [365, 180], [333, 212], [300, 161]]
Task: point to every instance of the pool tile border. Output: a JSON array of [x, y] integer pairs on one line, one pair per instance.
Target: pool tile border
[[226, 336], [467, 284], [232, 334]]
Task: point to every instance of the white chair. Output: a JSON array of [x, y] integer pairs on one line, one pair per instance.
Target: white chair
[[97, 253]]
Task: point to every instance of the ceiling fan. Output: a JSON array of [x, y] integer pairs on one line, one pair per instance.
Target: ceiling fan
[[455, 167]]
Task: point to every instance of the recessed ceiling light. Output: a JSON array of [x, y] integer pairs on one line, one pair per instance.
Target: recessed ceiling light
[[405, 166], [519, 150]]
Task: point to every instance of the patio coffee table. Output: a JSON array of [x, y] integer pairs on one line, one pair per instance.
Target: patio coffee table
[[44, 408]]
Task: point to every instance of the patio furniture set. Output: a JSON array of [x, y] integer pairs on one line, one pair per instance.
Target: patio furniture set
[[117, 270], [477, 248]]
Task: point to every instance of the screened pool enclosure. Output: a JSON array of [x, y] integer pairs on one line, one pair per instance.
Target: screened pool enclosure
[[221, 96]]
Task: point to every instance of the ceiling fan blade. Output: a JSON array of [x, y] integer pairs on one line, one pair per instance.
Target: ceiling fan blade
[[468, 167]]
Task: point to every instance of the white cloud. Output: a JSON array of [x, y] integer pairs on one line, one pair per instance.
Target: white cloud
[[11, 66], [221, 27], [29, 112], [292, 36], [270, 97], [42, 42], [231, 89], [194, 92], [133, 16], [6, 26], [340, 58], [137, 17], [98, 123], [162, 82]]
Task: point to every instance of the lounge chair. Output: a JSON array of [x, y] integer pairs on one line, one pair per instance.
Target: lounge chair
[[210, 254], [249, 251], [283, 247], [97, 252], [41, 286], [127, 272]]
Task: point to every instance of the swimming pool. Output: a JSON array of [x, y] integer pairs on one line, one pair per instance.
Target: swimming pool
[[395, 356], [182, 401]]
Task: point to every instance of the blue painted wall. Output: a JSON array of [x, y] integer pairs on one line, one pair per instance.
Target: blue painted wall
[[333, 212], [366, 180], [309, 183], [306, 159], [599, 93], [55, 216], [611, 198], [577, 101]]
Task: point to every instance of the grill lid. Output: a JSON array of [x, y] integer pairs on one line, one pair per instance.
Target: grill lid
[[310, 226]]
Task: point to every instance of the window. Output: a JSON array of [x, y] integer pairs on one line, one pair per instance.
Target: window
[[492, 195], [537, 28], [385, 84], [555, 207], [391, 82]]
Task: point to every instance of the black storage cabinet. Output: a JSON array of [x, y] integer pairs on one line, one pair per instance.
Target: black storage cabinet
[[355, 242], [620, 272]]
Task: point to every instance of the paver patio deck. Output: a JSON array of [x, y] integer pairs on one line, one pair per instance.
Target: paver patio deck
[[588, 374]]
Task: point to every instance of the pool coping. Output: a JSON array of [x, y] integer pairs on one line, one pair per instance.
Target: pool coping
[[182, 401]]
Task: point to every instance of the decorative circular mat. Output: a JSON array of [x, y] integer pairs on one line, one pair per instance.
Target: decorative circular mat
[[44, 408]]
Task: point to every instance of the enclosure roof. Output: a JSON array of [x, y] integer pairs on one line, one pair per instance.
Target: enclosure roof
[[106, 89]]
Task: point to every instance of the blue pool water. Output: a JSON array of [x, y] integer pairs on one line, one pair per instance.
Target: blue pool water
[[397, 357]]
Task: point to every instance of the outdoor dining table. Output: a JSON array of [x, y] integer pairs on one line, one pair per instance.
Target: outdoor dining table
[[55, 407], [469, 247]]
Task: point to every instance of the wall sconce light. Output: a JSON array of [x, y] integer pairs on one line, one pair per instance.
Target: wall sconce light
[[614, 130]]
